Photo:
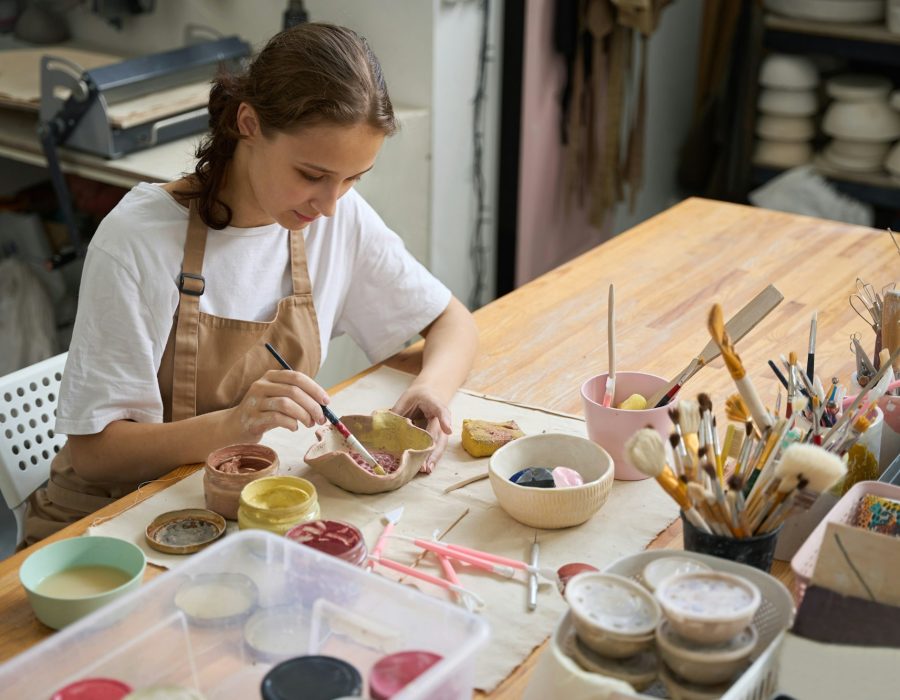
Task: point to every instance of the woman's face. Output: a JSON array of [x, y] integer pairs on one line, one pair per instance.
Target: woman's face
[[296, 177]]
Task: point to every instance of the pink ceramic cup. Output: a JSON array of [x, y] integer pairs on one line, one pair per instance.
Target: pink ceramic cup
[[611, 427]]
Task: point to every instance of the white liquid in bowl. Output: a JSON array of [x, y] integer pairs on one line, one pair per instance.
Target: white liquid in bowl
[[82, 582]]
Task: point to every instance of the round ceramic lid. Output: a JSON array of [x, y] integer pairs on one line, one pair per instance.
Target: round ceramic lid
[[217, 599], [93, 689], [663, 567], [613, 603], [278, 633], [858, 86], [311, 678], [708, 595]]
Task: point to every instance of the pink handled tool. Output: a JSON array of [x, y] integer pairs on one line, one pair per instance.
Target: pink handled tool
[[428, 578], [477, 562], [390, 519], [611, 345]]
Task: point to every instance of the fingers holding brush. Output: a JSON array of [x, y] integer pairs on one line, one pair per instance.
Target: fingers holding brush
[[279, 399]]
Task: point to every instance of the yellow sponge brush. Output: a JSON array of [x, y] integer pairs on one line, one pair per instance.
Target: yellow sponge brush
[[482, 438]]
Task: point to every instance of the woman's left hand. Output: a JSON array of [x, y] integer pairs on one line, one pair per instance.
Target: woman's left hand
[[422, 405]]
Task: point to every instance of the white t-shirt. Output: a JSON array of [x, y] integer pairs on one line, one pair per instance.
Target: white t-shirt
[[364, 281]]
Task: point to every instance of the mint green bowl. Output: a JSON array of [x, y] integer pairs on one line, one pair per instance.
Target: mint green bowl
[[75, 552]]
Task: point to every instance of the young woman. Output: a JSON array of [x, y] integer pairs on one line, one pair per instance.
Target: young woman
[[266, 241]]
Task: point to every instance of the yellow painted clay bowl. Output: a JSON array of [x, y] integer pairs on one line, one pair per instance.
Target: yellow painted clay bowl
[[382, 433]]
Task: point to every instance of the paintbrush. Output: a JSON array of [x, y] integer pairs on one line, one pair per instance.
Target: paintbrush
[[737, 327], [736, 369], [337, 423], [811, 352], [689, 426], [647, 453], [532, 577], [610, 392]]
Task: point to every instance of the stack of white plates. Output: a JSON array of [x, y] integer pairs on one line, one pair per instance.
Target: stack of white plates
[[787, 104], [846, 11], [860, 121]]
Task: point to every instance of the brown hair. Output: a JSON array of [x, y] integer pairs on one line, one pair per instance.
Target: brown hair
[[309, 74]]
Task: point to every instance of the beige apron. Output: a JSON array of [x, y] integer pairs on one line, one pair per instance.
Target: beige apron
[[208, 364]]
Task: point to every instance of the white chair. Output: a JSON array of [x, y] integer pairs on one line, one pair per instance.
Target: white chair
[[28, 442]]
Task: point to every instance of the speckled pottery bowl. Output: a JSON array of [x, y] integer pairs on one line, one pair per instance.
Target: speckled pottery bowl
[[382, 432]]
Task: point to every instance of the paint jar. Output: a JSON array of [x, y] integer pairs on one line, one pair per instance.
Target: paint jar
[[277, 503], [339, 539], [394, 672], [98, 688], [755, 551], [311, 677], [229, 469]]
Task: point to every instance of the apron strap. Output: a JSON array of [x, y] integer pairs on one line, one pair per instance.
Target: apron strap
[[187, 332], [299, 271]]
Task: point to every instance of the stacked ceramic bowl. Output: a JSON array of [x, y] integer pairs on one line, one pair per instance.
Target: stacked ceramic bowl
[[707, 635], [860, 121], [892, 162], [785, 124]]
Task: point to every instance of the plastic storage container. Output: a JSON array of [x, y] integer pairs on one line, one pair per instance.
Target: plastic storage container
[[143, 639], [558, 675], [844, 511]]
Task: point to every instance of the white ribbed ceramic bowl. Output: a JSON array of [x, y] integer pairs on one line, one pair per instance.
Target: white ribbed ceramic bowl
[[780, 128], [556, 507], [788, 72], [858, 87], [782, 154], [788, 103], [872, 120], [892, 162]]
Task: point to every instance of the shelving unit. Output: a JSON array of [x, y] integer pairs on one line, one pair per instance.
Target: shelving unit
[[869, 46]]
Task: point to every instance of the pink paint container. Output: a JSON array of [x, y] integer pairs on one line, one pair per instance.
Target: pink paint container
[[611, 427], [339, 539], [393, 673], [93, 689]]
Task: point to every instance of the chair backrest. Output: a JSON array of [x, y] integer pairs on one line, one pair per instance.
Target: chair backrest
[[28, 441]]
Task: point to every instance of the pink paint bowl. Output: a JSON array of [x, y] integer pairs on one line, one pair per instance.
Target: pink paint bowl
[[341, 540], [611, 427]]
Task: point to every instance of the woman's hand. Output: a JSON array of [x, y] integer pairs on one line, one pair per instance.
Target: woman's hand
[[421, 404], [281, 398]]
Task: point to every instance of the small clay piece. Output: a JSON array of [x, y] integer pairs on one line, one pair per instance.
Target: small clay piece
[[384, 434], [635, 402], [564, 477], [536, 477], [482, 438]]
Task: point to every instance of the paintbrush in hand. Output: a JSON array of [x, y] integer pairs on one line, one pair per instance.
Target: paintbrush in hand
[[337, 423]]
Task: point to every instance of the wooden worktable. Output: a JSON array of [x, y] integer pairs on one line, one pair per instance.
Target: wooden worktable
[[539, 343]]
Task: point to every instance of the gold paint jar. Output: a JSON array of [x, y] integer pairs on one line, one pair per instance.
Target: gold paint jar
[[277, 503]]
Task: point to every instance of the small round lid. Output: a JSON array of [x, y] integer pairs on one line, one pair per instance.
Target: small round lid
[[217, 599], [311, 678], [278, 633], [392, 673], [708, 595], [663, 567], [165, 692], [333, 537], [613, 603], [93, 689]]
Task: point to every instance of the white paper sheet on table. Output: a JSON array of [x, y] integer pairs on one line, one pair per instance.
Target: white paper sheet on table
[[632, 517]]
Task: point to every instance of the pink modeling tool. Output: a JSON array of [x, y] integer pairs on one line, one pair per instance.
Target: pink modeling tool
[[337, 423], [611, 345], [391, 518], [482, 560], [428, 578]]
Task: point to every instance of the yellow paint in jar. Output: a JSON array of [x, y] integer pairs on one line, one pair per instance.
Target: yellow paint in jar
[[277, 503]]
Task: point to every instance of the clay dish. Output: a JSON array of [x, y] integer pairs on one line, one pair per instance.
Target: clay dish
[[788, 72], [778, 128], [788, 103], [872, 120], [382, 432], [781, 154], [184, 531], [857, 87]]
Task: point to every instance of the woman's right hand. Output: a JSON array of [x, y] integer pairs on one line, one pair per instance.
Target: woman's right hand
[[281, 398]]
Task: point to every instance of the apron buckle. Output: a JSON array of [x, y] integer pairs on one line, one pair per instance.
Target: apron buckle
[[192, 291]]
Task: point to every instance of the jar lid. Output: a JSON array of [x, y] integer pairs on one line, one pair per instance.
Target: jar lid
[[663, 567], [312, 678], [333, 537], [93, 689], [613, 603], [392, 673], [278, 633], [217, 599]]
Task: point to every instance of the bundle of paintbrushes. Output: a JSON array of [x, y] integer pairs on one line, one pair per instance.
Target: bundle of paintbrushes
[[768, 468]]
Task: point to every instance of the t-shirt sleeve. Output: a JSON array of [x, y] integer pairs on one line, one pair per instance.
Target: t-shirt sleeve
[[391, 296], [113, 357]]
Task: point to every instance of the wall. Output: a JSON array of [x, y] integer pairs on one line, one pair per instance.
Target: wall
[[549, 232]]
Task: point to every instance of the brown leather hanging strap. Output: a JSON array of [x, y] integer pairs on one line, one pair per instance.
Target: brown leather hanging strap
[[299, 273], [191, 285]]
